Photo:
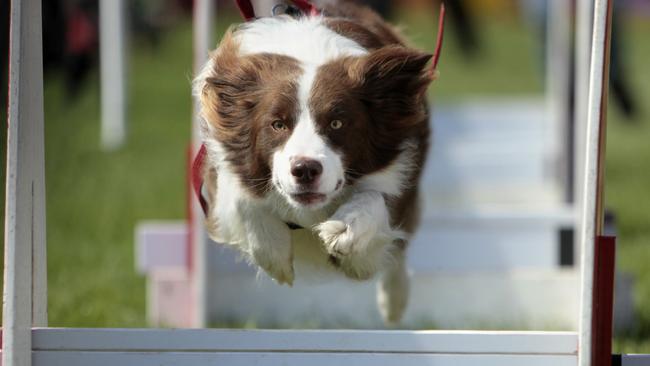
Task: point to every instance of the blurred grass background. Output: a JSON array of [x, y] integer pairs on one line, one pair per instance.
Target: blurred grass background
[[95, 198]]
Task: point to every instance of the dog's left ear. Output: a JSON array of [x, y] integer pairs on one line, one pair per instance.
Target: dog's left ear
[[393, 73]]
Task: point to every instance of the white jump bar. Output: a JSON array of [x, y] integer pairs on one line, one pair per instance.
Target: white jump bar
[[349, 341]]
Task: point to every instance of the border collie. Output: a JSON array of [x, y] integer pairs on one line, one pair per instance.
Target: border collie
[[316, 130]]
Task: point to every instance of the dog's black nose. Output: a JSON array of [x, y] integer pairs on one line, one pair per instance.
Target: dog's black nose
[[306, 171]]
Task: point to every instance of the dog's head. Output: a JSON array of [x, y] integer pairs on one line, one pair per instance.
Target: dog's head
[[305, 129]]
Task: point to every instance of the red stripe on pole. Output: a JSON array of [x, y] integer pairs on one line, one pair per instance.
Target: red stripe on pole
[[246, 9], [441, 33], [188, 206], [603, 301]]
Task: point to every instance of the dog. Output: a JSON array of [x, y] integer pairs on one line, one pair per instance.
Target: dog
[[316, 130]]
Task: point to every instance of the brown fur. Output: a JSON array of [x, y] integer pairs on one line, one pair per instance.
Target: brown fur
[[241, 102], [361, 24]]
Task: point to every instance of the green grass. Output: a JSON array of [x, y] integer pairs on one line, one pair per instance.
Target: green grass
[[95, 198]]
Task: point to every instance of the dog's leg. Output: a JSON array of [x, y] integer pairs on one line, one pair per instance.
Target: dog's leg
[[393, 290], [358, 236], [269, 244]]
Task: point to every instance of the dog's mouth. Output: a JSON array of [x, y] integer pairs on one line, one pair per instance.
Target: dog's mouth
[[305, 196], [309, 198]]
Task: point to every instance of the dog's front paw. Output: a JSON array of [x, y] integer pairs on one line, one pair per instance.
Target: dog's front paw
[[277, 264], [343, 239], [352, 246]]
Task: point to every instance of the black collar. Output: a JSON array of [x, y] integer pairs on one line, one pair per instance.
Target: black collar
[[293, 226]]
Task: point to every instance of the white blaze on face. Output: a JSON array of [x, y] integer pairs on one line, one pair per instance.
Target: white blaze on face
[[306, 143]]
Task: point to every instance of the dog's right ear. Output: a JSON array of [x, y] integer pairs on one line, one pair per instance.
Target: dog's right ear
[[231, 96], [226, 86]]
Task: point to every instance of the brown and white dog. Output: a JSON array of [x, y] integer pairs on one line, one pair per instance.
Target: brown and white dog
[[318, 122]]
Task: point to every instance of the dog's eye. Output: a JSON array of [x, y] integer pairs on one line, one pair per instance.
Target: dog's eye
[[279, 125], [336, 124]]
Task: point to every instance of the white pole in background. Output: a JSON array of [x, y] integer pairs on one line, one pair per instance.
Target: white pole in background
[[203, 28], [558, 66], [592, 209], [112, 18], [583, 25], [25, 281]]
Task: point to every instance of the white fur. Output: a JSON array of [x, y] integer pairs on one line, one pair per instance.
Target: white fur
[[269, 242], [229, 193], [306, 39]]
